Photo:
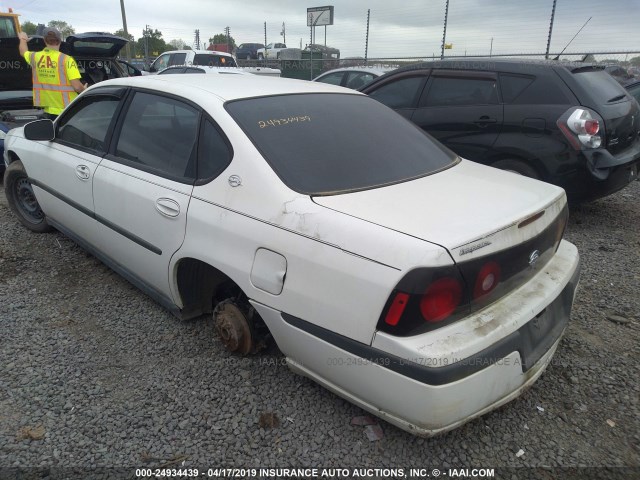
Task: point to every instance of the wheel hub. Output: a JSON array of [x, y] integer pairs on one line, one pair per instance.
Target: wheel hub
[[27, 200], [233, 328]]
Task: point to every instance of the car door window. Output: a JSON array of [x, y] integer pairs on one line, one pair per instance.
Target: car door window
[[214, 152], [158, 135], [177, 59], [448, 91], [332, 78], [357, 80], [161, 62], [87, 124], [399, 94]]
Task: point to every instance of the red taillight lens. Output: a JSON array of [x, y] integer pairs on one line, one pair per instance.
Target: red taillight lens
[[591, 127], [397, 309], [487, 279], [441, 299]]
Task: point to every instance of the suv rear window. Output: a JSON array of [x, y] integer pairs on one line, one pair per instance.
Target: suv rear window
[[601, 86], [323, 144]]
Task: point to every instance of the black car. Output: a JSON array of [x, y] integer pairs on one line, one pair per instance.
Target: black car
[[634, 90], [248, 51], [570, 124]]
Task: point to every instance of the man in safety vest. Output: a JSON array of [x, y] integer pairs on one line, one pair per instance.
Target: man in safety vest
[[55, 75]]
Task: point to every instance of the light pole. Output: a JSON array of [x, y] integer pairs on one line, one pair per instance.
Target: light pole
[[124, 26]]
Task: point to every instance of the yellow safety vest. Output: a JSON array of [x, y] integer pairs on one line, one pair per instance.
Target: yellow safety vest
[[50, 72]]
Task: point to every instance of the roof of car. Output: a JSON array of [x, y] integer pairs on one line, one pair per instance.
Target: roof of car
[[499, 64], [225, 87], [374, 70], [206, 52]]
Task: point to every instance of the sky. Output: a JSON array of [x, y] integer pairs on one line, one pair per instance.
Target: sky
[[400, 28]]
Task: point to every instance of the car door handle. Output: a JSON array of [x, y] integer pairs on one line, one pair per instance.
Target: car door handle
[[168, 207], [484, 121], [83, 172]]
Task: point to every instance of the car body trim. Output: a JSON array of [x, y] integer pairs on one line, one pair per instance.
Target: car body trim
[[105, 222]]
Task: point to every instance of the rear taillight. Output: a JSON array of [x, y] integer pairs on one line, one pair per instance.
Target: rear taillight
[[581, 126], [441, 299]]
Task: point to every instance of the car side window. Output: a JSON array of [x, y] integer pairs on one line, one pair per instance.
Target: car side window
[[399, 94], [449, 91], [357, 80], [87, 124], [161, 62], [513, 85], [159, 135], [332, 78], [214, 152], [177, 59]]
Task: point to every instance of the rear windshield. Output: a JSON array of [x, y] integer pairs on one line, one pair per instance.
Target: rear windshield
[[323, 144], [206, 60], [601, 86]]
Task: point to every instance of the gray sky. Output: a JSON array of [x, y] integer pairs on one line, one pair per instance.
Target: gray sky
[[400, 28]]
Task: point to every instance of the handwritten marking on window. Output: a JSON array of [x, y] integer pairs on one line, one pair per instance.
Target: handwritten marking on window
[[278, 122]]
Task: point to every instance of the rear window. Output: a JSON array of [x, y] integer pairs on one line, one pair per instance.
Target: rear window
[[601, 86], [323, 144], [207, 60]]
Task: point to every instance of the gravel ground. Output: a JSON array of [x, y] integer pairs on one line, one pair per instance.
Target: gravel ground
[[95, 374]]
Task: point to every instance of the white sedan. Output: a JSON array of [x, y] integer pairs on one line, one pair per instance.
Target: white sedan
[[422, 287]]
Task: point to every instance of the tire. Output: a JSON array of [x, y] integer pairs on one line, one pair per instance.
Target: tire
[[517, 166], [248, 56], [22, 199], [260, 56]]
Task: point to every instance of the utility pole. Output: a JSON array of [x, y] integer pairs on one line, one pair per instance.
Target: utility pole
[[366, 41], [444, 33], [124, 27], [226, 31], [553, 12], [284, 33], [146, 45], [491, 48], [265, 40]]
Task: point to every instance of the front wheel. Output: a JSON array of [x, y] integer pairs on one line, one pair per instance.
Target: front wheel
[[260, 56], [22, 200]]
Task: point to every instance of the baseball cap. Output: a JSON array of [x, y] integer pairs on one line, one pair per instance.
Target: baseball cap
[[51, 33]]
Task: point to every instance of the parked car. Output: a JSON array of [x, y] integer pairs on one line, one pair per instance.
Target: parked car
[[130, 69], [634, 90], [178, 69], [271, 51], [248, 51], [386, 268], [621, 74], [569, 124], [352, 77], [189, 58]]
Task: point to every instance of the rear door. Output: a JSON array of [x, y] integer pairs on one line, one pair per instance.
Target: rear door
[[462, 110], [142, 188]]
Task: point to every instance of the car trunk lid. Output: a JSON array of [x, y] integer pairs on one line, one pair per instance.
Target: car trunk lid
[[470, 209], [93, 44]]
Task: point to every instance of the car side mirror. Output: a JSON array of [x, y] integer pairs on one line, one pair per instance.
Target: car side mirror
[[39, 130], [152, 69]]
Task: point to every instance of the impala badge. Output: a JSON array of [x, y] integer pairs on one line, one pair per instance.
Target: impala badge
[[533, 258]]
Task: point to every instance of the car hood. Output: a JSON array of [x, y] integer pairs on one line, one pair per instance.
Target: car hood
[[467, 208]]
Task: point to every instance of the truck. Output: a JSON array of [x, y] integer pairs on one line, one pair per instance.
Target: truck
[[271, 51]]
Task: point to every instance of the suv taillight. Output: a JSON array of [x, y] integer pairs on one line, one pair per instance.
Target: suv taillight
[[581, 126]]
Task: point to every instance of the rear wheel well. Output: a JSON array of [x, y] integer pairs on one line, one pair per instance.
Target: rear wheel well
[[202, 287], [528, 168]]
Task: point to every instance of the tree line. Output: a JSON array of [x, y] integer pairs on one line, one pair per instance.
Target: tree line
[[151, 40]]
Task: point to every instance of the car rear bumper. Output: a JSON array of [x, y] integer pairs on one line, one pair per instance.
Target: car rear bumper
[[416, 396], [606, 173]]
